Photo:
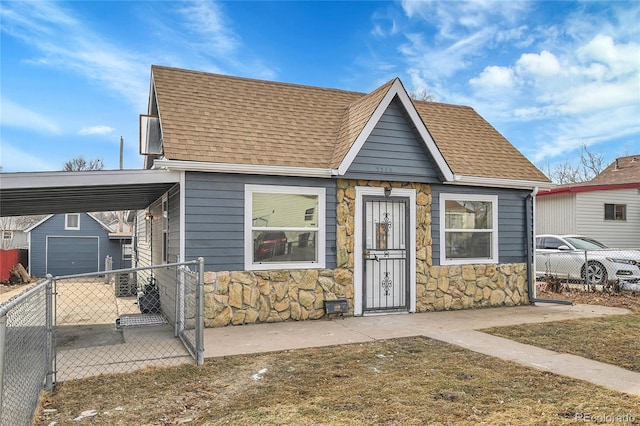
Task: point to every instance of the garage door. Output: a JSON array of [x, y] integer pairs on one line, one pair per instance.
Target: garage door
[[72, 255]]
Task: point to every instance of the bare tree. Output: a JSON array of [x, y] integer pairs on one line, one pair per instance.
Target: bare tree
[[79, 164], [422, 95], [585, 168], [592, 163]]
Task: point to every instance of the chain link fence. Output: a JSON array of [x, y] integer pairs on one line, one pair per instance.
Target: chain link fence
[[25, 353], [126, 320], [72, 327], [605, 270]]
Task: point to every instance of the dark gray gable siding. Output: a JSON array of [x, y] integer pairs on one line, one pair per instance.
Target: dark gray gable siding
[[214, 216], [512, 223], [54, 226], [394, 151]]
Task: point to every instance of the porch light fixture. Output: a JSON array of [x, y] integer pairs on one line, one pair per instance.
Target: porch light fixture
[[148, 216], [387, 191]]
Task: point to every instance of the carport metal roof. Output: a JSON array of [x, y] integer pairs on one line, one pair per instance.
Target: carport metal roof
[[37, 193]]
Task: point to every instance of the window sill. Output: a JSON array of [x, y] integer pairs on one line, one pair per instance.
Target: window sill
[[468, 262], [283, 266]]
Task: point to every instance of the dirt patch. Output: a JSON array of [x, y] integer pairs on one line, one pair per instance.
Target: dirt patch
[[5, 288], [626, 299]]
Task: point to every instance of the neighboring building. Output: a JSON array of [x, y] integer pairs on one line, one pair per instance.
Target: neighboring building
[[294, 195], [74, 243], [606, 208], [14, 238]]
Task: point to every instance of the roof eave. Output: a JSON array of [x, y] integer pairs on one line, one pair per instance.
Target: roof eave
[[250, 169], [588, 188], [500, 183], [20, 180]]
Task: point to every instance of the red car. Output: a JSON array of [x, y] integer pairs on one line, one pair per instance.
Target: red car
[[269, 244]]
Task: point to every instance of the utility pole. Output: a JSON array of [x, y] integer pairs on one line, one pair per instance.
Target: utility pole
[[121, 151], [121, 213]]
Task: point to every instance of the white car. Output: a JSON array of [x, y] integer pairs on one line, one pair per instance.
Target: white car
[[578, 258]]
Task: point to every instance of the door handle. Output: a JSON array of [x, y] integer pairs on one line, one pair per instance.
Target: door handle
[[370, 255]]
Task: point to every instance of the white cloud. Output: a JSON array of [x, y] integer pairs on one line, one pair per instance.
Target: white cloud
[[96, 130], [619, 59], [543, 65], [455, 17], [206, 19], [66, 43], [493, 77], [15, 115]]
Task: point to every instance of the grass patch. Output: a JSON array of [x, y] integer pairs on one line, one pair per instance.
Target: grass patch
[[411, 381], [612, 339]]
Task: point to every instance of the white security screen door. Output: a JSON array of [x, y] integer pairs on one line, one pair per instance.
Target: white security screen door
[[385, 248]]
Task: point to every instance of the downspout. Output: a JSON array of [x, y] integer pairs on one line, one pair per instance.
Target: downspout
[[531, 251]]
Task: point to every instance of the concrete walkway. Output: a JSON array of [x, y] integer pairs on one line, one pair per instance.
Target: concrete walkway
[[455, 327]]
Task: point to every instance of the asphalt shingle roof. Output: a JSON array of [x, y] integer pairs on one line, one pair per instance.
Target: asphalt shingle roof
[[216, 118], [622, 171]]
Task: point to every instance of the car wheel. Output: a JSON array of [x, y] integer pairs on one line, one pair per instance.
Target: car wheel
[[595, 274]]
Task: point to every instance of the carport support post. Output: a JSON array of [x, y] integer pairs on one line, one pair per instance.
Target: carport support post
[[51, 354], [200, 313]]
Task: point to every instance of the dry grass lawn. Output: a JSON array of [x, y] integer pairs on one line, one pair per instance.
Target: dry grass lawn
[[614, 339], [412, 381]]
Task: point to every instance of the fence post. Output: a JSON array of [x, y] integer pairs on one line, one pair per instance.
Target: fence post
[[3, 335], [200, 313], [51, 350], [108, 266], [587, 281], [180, 301]]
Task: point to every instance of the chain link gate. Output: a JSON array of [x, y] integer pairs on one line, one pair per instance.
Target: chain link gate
[[127, 319], [25, 352]]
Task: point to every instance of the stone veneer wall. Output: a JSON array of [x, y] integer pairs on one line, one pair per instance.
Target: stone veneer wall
[[247, 297]]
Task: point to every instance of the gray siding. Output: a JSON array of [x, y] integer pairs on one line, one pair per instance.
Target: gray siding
[[394, 151], [512, 221], [54, 227], [142, 244], [214, 216]]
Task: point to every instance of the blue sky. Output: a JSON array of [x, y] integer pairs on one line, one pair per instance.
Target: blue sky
[[550, 76]]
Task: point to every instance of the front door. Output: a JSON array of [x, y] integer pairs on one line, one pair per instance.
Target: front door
[[385, 248]]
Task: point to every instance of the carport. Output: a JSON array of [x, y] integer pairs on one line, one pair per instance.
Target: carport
[[86, 308], [36, 193]]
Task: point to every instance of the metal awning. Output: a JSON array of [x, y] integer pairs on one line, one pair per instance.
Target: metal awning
[[37, 193]]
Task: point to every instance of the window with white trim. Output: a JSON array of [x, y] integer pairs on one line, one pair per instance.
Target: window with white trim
[[72, 221], [284, 227], [468, 229]]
